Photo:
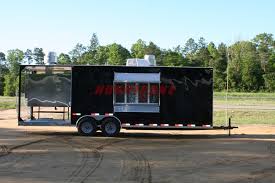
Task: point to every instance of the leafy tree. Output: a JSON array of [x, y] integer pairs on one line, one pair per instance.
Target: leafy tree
[[153, 49], [201, 43], [222, 50], [245, 71], [64, 59], [28, 56], [218, 60], [85, 55], [189, 51], [87, 58], [220, 66], [173, 58], [202, 56], [190, 47], [251, 64], [14, 58], [77, 52], [3, 65], [271, 63], [3, 71], [269, 80], [117, 54], [178, 49], [101, 55], [138, 49], [10, 85], [2, 58], [269, 77], [264, 43], [234, 65], [94, 43], [213, 53], [38, 56], [2, 85]]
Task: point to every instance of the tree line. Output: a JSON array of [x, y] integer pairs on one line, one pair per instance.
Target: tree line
[[250, 63]]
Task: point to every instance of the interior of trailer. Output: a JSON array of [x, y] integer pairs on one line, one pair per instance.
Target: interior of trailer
[[45, 95]]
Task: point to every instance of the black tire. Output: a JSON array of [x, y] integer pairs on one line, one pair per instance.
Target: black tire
[[110, 127], [87, 127]]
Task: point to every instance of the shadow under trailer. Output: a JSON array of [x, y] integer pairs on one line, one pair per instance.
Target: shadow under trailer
[[109, 98]]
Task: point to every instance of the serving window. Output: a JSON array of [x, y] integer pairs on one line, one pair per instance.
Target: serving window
[[154, 93], [131, 93], [136, 92], [119, 93], [143, 92]]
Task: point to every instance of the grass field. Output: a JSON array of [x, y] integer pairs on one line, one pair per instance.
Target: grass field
[[7, 102], [236, 98], [244, 115], [239, 116]]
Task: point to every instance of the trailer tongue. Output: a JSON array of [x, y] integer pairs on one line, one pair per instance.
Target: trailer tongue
[[109, 98]]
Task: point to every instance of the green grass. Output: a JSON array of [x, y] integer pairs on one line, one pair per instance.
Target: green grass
[[7, 103], [235, 98], [246, 95], [245, 117]]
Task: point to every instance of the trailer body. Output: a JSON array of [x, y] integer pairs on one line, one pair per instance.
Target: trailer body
[[114, 97], [183, 95]]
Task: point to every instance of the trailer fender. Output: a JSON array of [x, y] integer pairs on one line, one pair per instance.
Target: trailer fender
[[97, 118], [82, 117]]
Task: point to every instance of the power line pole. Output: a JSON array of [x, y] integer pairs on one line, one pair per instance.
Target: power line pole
[[227, 84]]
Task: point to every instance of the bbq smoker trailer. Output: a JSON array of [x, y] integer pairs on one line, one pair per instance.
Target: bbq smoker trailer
[[109, 98]]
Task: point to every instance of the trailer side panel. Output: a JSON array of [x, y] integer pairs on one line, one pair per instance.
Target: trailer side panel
[[185, 94]]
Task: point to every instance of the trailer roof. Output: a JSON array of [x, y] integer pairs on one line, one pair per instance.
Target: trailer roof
[[68, 67]]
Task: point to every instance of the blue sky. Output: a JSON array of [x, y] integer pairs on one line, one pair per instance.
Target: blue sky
[[58, 25]]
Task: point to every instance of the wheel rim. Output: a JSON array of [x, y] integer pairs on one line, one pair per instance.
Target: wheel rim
[[110, 128], [86, 127]]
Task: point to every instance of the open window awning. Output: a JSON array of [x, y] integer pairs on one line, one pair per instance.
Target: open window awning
[[137, 77]]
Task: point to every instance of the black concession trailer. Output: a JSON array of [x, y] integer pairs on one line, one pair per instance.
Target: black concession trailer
[[109, 98]]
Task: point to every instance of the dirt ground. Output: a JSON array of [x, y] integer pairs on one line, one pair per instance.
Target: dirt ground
[[59, 154]]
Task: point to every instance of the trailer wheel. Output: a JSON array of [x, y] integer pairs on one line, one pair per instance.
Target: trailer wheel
[[87, 127], [110, 127]]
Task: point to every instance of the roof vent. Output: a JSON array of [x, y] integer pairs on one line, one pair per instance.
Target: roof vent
[[149, 60]]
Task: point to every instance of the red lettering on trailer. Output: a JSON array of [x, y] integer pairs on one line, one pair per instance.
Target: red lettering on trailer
[[119, 90], [108, 90], [172, 89], [155, 89], [131, 88], [99, 90], [143, 93], [162, 89]]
